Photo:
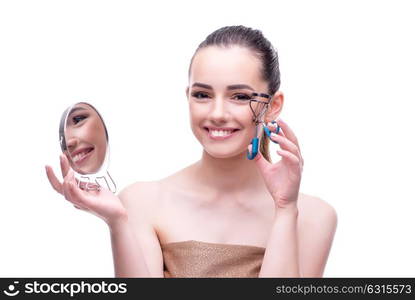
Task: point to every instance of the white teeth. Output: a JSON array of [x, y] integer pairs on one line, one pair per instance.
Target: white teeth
[[79, 156], [220, 132]]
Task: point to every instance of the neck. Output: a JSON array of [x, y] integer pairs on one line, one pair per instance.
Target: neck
[[228, 174]]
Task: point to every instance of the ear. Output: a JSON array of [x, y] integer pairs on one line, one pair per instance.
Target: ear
[[274, 109]]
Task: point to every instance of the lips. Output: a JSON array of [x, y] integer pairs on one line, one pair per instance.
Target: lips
[[220, 133], [80, 155]]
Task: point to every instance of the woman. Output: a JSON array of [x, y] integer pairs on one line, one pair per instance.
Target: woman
[[225, 215]]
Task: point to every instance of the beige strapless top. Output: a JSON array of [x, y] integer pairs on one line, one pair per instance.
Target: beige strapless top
[[202, 259]]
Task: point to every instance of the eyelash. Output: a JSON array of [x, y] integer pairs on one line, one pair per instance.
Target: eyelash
[[246, 97], [75, 121], [197, 94], [234, 97]]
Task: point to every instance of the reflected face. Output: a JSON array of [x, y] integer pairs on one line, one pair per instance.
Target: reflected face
[[86, 139], [221, 80]]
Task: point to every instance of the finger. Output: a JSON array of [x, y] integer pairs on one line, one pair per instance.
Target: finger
[[286, 144], [81, 198], [290, 158], [67, 181], [77, 193], [277, 136], [71, 177], [88, 186], [288, 132], [64, 165], [54, 181], [65, 190], [72, 197], [259, 159], [93, 188], [272, 126]]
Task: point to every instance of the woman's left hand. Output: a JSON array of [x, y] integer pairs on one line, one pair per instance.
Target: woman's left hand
[[283, 178]]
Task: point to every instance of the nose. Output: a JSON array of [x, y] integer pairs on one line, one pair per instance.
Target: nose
[[218, 112], [71, 143]]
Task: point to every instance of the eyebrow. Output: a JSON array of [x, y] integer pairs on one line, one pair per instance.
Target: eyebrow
[[202, 85], [239, 87], [229, 87], [76, 109]]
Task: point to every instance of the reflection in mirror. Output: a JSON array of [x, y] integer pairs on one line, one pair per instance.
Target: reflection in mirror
[[84, 140]]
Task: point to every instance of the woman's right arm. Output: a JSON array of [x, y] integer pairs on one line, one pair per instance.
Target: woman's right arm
[[127, 254], [133, 241], [140, 201]]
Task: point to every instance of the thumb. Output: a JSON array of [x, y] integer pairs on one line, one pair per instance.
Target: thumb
[[259, 160]]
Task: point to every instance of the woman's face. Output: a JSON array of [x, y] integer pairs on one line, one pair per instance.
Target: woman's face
[[220, 79], [85, 139]]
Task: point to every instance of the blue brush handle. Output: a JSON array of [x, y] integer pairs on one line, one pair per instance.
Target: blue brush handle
[[254, 143]]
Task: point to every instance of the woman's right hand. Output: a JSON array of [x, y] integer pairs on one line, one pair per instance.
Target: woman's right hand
[[102, 203]]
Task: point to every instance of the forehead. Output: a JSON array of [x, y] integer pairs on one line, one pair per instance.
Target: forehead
[[221, 66]]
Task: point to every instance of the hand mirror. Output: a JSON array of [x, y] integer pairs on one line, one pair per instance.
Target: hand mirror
[[83, 139]]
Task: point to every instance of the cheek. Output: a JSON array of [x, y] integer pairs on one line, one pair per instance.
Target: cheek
[[96, 136], [244, 117], [197, 114], [88, 133], [93, 133]]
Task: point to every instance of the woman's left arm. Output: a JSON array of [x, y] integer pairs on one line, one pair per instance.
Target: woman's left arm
[[316, 229], [299, 244], [281, 257], [282, 180]]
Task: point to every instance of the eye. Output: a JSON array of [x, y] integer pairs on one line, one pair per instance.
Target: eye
[[200, 95], [79, 118], [241, 97]]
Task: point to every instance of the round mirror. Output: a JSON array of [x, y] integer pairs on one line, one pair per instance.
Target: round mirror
[[84, 138]]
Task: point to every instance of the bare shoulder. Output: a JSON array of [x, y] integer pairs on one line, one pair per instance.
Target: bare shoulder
[[145, 197], [313, 209], [132, 192], [140, 198]]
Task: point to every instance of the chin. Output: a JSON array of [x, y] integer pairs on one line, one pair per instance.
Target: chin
[[215, 153]]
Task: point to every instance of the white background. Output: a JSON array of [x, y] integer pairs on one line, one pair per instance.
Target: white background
[[347, 71]]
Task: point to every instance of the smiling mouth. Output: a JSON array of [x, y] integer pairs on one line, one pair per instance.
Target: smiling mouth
[[220, 133], [80, 157]]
